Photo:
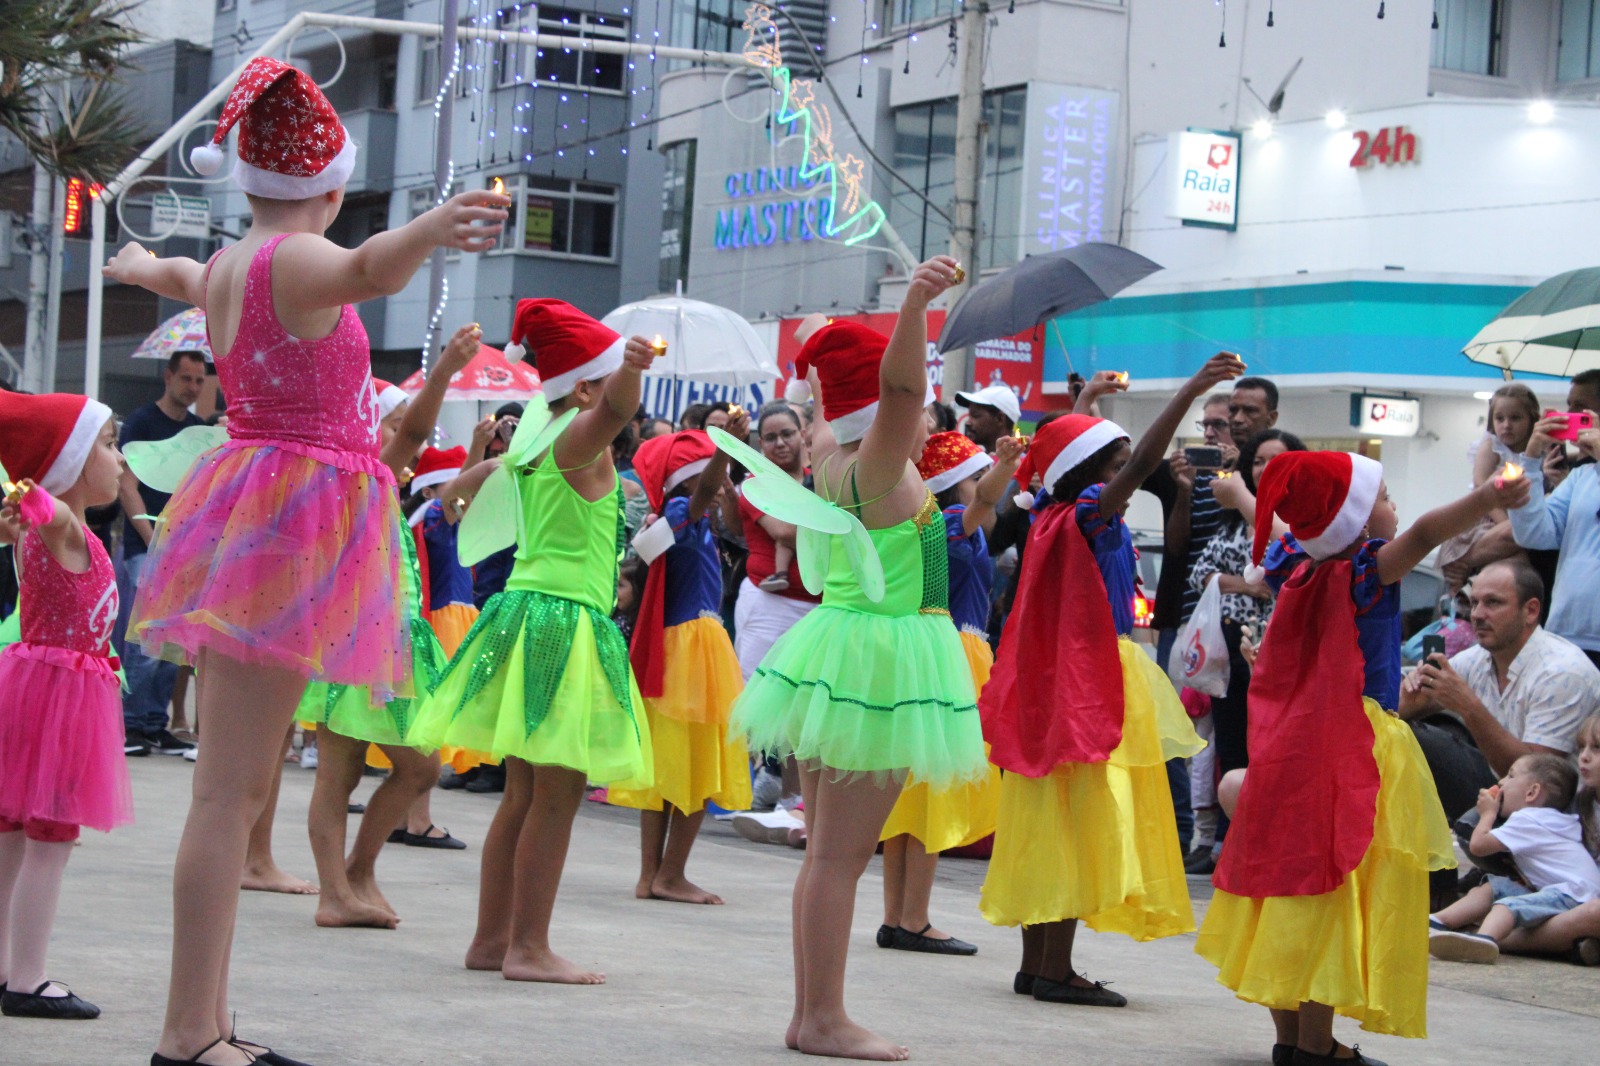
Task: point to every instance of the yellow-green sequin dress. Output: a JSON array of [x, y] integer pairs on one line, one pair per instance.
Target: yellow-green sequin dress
[[543, 674]]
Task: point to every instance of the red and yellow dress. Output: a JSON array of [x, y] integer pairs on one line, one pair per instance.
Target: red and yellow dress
[[451, 611]]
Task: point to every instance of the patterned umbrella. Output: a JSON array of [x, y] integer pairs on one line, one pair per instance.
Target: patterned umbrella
[[1553, 328], [183, 332], [488, 378]]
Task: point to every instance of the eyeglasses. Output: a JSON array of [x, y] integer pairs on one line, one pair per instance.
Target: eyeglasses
[[780, 438], [1218, 424]]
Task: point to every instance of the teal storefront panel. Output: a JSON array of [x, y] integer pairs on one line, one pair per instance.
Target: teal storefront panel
[[1342, 327]]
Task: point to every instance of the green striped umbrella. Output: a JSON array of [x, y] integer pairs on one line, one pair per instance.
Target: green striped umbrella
[[1553, 328]]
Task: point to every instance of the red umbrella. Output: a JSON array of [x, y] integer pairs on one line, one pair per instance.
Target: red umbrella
[[488, 378]]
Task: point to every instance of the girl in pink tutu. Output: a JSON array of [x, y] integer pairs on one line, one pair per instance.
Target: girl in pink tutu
[[278, 559], [61, 764]]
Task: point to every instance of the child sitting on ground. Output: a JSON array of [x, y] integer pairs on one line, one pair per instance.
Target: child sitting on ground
[[1544, 840]]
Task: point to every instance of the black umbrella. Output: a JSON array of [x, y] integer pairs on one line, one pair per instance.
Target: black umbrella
[[1039, 288]]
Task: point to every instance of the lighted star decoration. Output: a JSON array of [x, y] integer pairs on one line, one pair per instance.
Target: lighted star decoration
[[853, 218]]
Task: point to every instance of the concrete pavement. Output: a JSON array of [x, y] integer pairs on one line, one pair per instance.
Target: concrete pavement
[[687, 985]]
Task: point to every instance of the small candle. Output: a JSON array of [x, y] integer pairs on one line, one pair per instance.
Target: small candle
[[406, 473], [1122, 377], [150, 252], [1510, 472], [734, 410], [499, 187], [15, 490], [658, 346], [1022, 439], [961, 273]]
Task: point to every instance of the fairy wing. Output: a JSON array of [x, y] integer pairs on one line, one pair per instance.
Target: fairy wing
[[162, 464], [491, 523], [822, 525], [536, 431]]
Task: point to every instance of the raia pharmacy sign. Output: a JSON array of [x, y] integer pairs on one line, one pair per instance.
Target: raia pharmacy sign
[[1385, 416], [1205, 178]]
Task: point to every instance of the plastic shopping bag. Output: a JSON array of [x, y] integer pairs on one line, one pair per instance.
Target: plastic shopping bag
[[1200, 655]]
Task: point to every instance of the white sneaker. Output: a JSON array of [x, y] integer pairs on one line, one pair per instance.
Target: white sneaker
[[308, 757], [766, 827], [1451, 946], [193, 754]]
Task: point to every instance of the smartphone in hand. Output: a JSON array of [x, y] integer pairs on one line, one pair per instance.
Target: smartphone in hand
[[1432, 644], [1203, 457], [1577, 422]]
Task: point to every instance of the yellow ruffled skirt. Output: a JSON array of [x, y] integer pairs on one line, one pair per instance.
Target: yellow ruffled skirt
[[696, 760], [1362, 948], [1099, 841], [954, 817], [451, 623]]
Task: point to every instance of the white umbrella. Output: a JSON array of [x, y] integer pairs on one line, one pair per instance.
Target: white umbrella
[[704, 342]]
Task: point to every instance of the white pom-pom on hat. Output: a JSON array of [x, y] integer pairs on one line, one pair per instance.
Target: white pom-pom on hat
[[514, 352], [1024, 500], [206, 159], [1255, 575], [797, 391]]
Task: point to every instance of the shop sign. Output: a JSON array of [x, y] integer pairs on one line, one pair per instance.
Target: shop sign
[[180, 216], [1205, 178], [1069, 167], [1390, 145], [1385, 416], [753, 225]]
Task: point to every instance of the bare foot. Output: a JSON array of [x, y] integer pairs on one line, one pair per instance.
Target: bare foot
[[682, 890], [482, 956], [353, 913], [272, 879], [847, 1040], [791, 1039], [642, 889], [365, 887], [547, 966]]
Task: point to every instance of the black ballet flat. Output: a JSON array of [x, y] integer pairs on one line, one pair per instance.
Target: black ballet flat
[[1303, 1057], [886, 936], [423, 840], [906, 940], [1095, 995], [1022, 984], [396, 836], [1282, 1055], [158, 1059], [266, 1056], [34, 1005]]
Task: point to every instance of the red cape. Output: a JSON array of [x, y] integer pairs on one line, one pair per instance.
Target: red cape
[[648, 652], [1055, 695], [1308, 805], [424, 572]]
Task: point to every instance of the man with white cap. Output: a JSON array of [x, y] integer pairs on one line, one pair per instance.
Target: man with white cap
[[992, 413]]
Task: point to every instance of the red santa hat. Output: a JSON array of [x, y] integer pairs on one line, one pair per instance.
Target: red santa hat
[[1325, 497], [567, 345], [846, 356], [292, 145], [47, 439], [436, 466], [1061, 445], [949, 458], [389, 397]]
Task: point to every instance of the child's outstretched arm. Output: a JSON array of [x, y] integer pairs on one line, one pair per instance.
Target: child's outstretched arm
[[1397, 558], [594, 430], [902, 383], [422, 414], [459, 493], [992, 486], [176, 278], [57, 525], [1151, 450], [716, 472], [310, 271]]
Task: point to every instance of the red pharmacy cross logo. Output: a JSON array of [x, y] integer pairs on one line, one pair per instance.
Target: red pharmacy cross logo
[[1194, 656], [1220, 156]]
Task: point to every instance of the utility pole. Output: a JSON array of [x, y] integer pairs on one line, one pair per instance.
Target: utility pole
[[52, 303], [969, 174], [33, 379], [442, 151]]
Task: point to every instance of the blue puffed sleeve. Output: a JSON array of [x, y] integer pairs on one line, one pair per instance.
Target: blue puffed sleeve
[[1104, 534]]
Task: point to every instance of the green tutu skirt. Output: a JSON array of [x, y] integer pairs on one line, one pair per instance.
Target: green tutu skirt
[[546, 680], [349, 711], [861, 693]]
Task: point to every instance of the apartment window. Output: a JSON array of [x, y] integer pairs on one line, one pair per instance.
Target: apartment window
[[558, 216], [1578, 55], [1468, 37], [512, 62], [576, 67], [713, 25], [901, 12], [427, 70], [925, 155], [677, 213]]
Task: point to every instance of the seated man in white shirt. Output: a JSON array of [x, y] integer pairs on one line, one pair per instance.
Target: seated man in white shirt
[[1521, 690]]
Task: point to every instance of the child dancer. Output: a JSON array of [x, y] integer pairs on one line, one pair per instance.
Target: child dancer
[[1322, 889], [348, 720], [61, 766], [1081, 720], [543, 678], [276, 542], [864, 690], [685, 666], [967, 484]]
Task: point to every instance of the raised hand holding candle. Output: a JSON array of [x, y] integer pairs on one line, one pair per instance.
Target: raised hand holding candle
[[659, 346], [1509, 472]]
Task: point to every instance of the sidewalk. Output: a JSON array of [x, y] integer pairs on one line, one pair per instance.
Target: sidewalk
[[688, 985]]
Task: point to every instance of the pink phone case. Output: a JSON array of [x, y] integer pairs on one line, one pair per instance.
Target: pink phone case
[[1577, 421]]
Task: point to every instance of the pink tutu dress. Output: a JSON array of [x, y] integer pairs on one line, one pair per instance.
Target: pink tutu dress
[[282, 546], [61, 711]]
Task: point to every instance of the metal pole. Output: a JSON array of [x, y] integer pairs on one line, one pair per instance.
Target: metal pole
[[969, 173], [442, 152], [52, 303], [38, 282], [97, 295]]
